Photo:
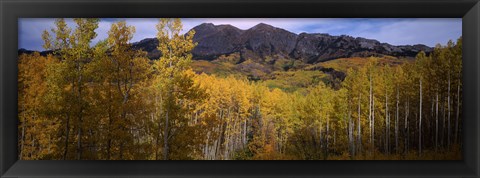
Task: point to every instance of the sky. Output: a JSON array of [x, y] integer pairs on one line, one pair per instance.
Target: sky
[[396, 31]]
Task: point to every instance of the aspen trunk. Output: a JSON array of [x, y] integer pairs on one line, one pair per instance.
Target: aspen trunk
[[79, 141], [227, 136], [67, 135], [373, 125], [396, 123], [22, 145], [420, 121], [350, 134], [458, 114], [387, 124], [109, 141], [221, 135], [326, 138], [359, 142], [165, 136], [442, 138], [436, 123], [370, 115], [80, 115], [334, 140], [320, 136], [431, 124], [388, 134], [157, 142], [206, 148], [448, 112], [167, 113], [245, 133], [406, 128], [159, 132]]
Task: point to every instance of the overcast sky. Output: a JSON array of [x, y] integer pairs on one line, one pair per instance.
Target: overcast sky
[[396, 31]]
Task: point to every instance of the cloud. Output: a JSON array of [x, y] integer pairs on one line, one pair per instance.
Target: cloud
[[397, 31], [145, 28], [30, 31], [418, 31]]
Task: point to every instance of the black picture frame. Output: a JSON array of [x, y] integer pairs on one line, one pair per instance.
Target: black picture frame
[[11, 10]]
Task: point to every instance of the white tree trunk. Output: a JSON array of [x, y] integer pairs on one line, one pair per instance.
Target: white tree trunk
[[396, 123], [458, 113], [373, 125], [387, 124], [359, 142], [436, 123], [370, 111], [420, 121], [165, 137], [406, 128], [448, 112], [245, 133], [350, 134]]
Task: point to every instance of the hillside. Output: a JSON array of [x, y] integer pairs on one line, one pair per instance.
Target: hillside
[[264, 41], [272, 54]]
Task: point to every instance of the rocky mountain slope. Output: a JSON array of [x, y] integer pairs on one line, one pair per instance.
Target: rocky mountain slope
[[265, 41], [278, 57]]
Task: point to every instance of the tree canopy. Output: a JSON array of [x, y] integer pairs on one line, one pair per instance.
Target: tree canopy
[[108, 101]]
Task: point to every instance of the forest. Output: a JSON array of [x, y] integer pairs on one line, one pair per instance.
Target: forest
[[110, 102]]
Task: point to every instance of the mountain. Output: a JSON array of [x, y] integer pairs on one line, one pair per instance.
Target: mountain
[[214, 41], [264, 43], [279, 58], [25, 51]]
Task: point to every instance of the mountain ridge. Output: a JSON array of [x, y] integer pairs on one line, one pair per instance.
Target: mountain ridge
[[266, 41], [263, 41]]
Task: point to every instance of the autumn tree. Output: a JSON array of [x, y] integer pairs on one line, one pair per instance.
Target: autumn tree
[[75, 52], [177, 89], [108, 101], [37, 129]]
